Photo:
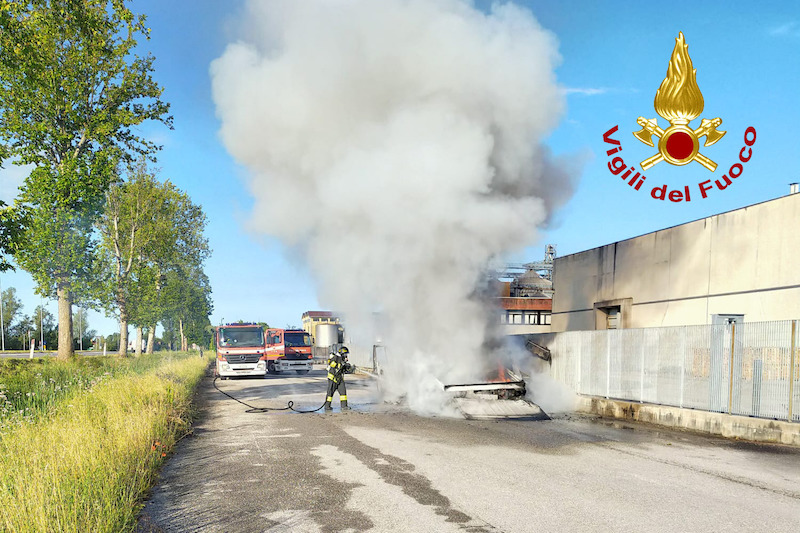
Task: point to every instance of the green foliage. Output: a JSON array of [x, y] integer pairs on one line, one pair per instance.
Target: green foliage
[[20, 334], [71, 84], [126, 226], [12, 308], [112, 342], [9, 234], [29, 389], [114, 425], [83, 334], [56, 243], [44, 327]]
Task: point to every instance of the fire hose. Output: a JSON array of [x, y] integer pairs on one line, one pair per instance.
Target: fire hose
[[289, 404]]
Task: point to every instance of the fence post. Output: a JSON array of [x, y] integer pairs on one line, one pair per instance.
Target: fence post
[[791, 370], [642, 342], [757, 372], [683, 363], [730, 381], [578, 363]]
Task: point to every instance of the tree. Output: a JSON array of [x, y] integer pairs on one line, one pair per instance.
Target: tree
[[186, 305], [9, 234], [112, 342], [179, 287], [82, 334], [44, 328], [11, 307], [21, 333], [71, 92], [152, 238], [128, 226]]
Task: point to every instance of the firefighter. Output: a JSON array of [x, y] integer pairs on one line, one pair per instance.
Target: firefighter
[[337, 366]]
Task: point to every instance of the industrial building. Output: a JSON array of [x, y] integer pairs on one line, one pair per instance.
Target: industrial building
[[525, 302], [312, 319], [742, 265]]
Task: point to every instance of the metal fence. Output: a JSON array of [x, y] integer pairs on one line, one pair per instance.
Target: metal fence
[[750, 368]]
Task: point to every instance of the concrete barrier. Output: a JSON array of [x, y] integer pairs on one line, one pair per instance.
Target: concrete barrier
[[725, 425]]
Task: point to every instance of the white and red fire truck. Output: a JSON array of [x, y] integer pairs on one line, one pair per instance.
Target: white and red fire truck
[[287, 350], [241, 350]]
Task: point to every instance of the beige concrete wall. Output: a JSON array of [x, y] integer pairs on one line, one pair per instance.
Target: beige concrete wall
[[725, 425], [741, 262]]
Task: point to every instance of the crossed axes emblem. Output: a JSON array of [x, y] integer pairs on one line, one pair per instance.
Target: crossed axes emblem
[[674, 142]]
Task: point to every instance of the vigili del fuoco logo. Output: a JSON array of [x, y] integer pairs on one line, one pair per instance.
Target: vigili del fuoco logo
[[679, 101]]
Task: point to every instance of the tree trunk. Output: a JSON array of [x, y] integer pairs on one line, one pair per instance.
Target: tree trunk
[[65, 350], [180, 325], [138, 348], [123, 335], [151, 338]]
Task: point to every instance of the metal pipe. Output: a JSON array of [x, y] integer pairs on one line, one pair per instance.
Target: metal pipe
[[791, 370]]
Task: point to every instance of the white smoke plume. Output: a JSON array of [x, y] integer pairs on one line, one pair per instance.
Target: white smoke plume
[[396, 144]]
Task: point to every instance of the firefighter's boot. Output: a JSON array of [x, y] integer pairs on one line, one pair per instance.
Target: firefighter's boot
[[328, 407], [344, 403]]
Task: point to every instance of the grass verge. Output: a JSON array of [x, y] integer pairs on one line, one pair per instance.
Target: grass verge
[[87, 464]]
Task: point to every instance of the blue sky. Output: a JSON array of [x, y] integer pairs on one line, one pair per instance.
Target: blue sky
[[614, 57]]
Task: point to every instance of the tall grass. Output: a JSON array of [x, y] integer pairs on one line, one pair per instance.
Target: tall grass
[[86, 464]]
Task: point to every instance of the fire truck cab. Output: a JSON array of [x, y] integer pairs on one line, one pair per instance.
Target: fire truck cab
[[241, 350], [288, 349]]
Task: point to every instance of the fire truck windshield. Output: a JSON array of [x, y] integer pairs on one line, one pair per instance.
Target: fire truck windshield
[[241, 337], [293, 340]]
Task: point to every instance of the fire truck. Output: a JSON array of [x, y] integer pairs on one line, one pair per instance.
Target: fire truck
[[288, 349], [241, 350]]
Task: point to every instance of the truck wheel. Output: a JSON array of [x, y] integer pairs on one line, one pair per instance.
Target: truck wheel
[[302, 371], [271, 369]]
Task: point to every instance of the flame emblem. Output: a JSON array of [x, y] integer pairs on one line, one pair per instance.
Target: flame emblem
[[680, 101]]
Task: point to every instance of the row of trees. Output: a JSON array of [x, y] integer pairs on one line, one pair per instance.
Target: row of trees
[[19, 329], [92, 224], [152, 255]]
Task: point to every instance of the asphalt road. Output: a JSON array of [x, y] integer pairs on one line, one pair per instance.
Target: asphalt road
[[380, 468]]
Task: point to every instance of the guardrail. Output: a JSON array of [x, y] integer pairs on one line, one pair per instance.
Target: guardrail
[[750, 369]]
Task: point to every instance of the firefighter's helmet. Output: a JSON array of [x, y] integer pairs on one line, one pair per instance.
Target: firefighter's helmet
[[343, 351]]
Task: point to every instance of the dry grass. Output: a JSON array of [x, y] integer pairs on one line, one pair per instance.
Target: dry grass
[[87, 465]]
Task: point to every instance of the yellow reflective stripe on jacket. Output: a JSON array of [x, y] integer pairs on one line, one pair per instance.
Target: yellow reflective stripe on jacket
[[331, 376]]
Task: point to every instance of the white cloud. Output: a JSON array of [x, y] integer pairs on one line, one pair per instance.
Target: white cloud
[[791, 28], [586, 91]]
